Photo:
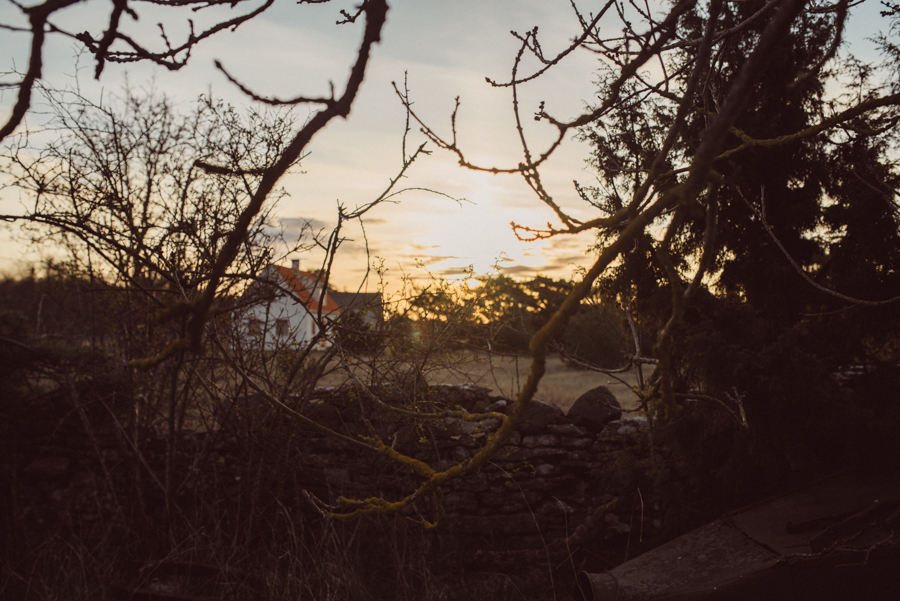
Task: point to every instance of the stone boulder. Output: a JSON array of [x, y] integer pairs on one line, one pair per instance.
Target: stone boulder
[[453, 426], [539, 415], [468, 396], [595, 408], [497, 406]]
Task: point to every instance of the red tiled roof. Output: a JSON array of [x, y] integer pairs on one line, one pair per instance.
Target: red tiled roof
[[302, 283]]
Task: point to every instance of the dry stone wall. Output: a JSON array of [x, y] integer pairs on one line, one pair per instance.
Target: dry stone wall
[[539, 487]]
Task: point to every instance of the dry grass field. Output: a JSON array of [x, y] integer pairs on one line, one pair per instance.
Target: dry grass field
[[561, 385]]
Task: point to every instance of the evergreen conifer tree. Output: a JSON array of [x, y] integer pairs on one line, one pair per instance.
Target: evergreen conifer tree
[[797, 218]]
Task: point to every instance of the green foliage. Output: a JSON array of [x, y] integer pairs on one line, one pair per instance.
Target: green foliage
[[503, 314], [596, 334]]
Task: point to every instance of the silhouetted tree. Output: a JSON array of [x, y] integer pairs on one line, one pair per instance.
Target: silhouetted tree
[[736, 182]]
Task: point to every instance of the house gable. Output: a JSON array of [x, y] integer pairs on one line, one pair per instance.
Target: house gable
[[307, 289], [292, 302]]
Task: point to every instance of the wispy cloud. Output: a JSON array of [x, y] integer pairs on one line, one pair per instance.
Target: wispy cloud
[[428, 260]]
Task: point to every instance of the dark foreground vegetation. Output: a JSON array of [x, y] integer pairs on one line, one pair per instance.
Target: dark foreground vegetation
[[746, 270], [117, 486], [86, 513], [112, 492]]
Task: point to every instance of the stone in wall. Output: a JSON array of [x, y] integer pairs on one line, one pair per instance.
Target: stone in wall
[[595, 408], [471, 397], [538, 415]]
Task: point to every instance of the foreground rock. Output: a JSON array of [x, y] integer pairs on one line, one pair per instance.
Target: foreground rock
[[595, 408]]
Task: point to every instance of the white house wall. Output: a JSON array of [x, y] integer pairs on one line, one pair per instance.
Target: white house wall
[[261, 320], [301, 323]]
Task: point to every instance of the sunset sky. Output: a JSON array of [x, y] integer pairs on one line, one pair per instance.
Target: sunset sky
[[447, 48]]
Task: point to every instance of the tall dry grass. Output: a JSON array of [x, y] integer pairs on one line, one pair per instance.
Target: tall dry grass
[[239, 528], [284, 558]]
